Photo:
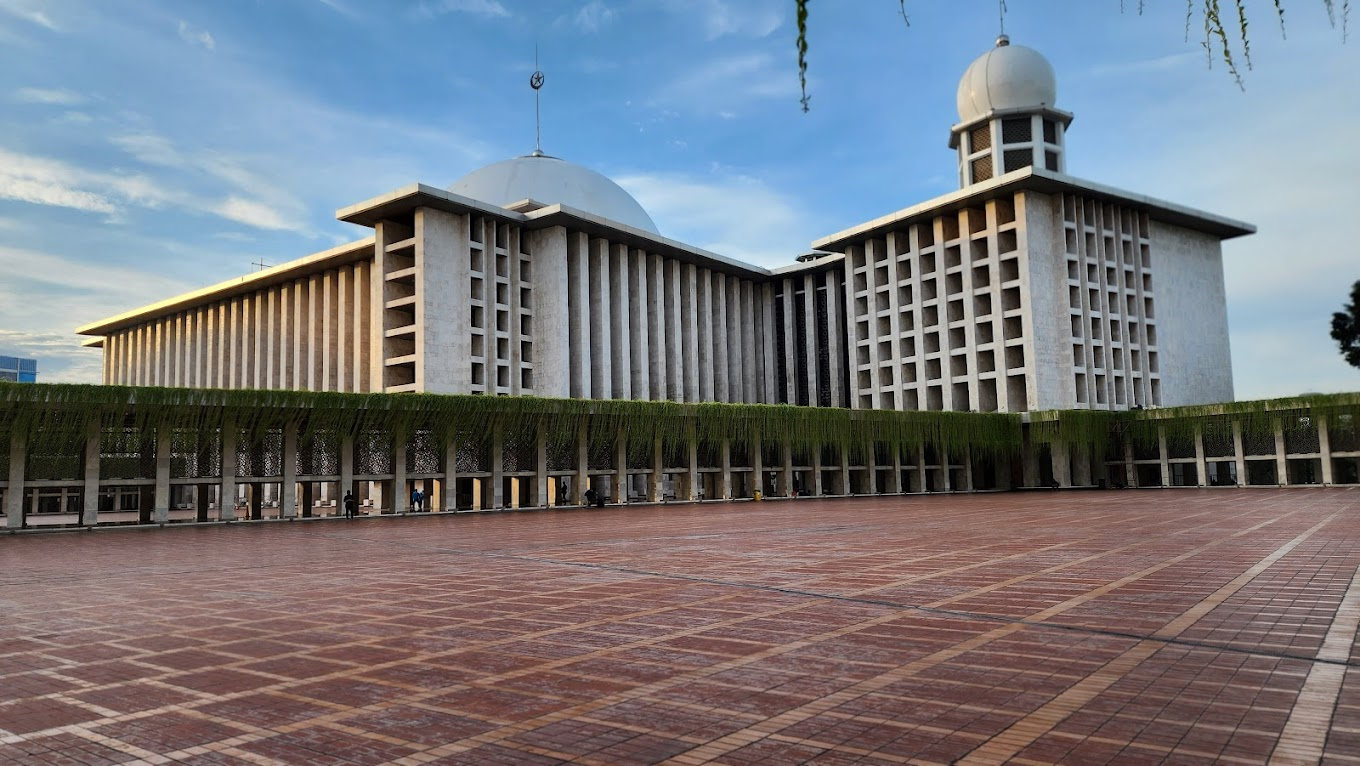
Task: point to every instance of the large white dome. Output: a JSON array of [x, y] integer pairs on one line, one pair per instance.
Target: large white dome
[[1006, 77], [551, 181]]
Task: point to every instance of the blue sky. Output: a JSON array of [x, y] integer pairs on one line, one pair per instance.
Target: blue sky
[[149, 147]]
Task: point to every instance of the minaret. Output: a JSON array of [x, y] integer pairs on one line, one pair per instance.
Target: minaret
[[1007, 117]]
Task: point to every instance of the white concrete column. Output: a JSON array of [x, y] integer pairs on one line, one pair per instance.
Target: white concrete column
[[1060, 453], [786, 470], [809, 326], [578, 484], [896, 483], [620, 316], [639, 343], [1281, 463], [89, 514], [692, 454], [361, 322], [288, 500], [269, 337], [675, 368], [1201, 463], [258, 340], [736, 365], [161, 507], [314, 331], [302, 337], [757, 463], [689, 331], [790, 329], [448, 495], [329, 332], [844, 454], [579, 311], [444, 291], [656, 326], [226, 503], [541, 465], [1162, 456], [1325, 449], [750, 383], [401, 492], [765, 319], [835, 335], [621, 467], [554, 345], [722, 328], [704, 312], [14, 495], [344, 319], [601, 323], [1239, 453], [654, 488], [817, 488], [347, 473], [726, 469]]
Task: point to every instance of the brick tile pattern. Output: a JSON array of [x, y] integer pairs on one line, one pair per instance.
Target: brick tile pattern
[[1172, 626]]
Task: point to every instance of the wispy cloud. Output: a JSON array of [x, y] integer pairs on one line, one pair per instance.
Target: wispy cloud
[[41, 181], [194, 36], [485, 8], [743, 18], [248, 198], [28, 11], [729, 214], [51, 96], [340, 8], [729, 84], [591, 17]]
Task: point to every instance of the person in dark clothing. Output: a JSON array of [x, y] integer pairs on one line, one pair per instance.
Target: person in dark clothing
[[592, 497], [349, 505]]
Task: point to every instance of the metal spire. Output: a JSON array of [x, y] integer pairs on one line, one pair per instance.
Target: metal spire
[[536, 82]]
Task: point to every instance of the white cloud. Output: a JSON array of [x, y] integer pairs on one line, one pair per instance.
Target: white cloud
[[485, 8], [248, 198], [728, 84], [340, 8], [48, 182], [28, 11], [255, 213], [732, 215], [593, 16], [193, 36], [743, 18], [52, 96], [42, 291]]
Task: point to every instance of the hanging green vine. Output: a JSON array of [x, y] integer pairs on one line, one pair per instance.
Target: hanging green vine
[[53, 418]]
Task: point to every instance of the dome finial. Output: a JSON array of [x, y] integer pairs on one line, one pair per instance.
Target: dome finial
[[1002, 41], [536, 82]]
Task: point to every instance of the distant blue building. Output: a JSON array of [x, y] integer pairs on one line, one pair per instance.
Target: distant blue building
[[14, 369]]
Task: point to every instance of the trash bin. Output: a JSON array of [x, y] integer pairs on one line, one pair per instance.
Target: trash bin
[[757, 495]]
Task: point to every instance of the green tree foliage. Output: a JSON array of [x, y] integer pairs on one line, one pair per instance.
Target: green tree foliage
[[1346, 328], [1224, 24]]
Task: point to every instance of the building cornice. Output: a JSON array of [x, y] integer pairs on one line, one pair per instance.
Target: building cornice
[[1044, 182], [285, 272]]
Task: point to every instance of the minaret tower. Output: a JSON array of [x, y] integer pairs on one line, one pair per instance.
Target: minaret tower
[[1007, 117]]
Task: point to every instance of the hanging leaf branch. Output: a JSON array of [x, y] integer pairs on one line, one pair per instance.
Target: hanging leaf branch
[[1218, 41]]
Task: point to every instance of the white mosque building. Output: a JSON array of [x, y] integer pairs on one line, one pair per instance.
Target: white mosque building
[[1025, 289]]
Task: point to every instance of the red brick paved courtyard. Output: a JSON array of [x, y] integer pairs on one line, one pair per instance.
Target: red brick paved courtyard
[[1191, 626]]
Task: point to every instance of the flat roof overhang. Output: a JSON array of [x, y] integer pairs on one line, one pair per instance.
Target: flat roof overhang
[[276, 275], [1045, 182], [403, 203]]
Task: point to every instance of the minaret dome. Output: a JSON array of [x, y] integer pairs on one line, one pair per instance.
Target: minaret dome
[[1008, 118]]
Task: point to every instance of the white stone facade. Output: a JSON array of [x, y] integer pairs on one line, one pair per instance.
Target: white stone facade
[[1026, 289]]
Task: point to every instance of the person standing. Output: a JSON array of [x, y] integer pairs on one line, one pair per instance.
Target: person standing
[[349, 505], [417, 500]]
